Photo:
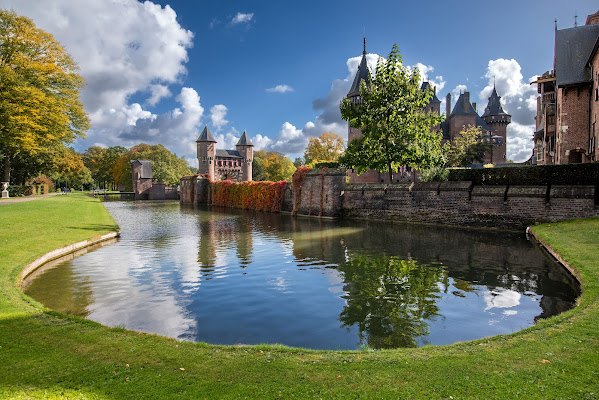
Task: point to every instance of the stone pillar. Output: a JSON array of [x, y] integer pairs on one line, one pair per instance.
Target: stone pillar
[[4, 190]]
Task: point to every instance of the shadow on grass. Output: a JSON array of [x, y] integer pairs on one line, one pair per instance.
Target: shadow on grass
[[95, 227]]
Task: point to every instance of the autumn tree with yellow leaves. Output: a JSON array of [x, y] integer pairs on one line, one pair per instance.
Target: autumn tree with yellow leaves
[[326, 147], [40, 110]]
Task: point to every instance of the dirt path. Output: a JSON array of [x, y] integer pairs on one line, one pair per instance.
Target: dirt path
[[27, 198]]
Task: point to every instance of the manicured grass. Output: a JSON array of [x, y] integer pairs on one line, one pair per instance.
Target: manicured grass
[[47, 355]]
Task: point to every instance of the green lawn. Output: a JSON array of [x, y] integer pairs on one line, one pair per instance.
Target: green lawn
[[47, 355]]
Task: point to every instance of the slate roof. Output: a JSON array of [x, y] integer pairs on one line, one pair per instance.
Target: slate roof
[[494, 106], [363, 74], [206, 136], [425, 86], [244, 140], [146, 168], [228, 154], [573, 47], [463, 107]]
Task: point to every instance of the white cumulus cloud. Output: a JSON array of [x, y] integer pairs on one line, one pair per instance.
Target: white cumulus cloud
[[217, 116], [280, 89]]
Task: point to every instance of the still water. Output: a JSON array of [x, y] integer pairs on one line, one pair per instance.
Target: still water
[[238, 277]]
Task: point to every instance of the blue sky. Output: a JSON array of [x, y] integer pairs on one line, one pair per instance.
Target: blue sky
[[157, 72]]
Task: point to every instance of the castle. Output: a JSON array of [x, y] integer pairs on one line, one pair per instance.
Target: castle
[[235, 165], [493, 124]]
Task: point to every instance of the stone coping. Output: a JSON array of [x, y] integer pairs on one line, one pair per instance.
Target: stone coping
[[62, 251]]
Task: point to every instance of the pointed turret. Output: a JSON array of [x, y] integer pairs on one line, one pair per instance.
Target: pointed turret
[[246, 149], [363, 74], [206, 135], [497, 119]]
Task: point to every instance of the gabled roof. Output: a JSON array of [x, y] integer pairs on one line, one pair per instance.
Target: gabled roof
[[228, 154], [573, 47], [145, 171], [206, 136], [494, 105], [244, 140], [425, 86], [363, 74], [463, 107]]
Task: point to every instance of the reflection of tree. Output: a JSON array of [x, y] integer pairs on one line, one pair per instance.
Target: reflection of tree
[[390, 299]]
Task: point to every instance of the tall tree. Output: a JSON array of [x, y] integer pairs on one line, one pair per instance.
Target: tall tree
[[102, 162], [326, 147], [468, 147], [395, 129], [39, 92]]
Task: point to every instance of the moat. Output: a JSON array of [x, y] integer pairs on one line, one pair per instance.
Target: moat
[[236, 277]]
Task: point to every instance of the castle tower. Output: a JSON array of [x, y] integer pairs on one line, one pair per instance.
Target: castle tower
[[434, 105], [363, 74], [206, 153], [246, 149], [497, 120]]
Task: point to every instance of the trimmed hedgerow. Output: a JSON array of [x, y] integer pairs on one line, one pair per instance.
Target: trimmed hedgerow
[[327, 164], [565, 174], [261, 196]]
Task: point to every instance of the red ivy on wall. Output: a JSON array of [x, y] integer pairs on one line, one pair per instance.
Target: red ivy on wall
[[261, 196], [297, 179]]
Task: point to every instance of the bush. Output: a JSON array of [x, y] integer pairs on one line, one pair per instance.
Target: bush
[[434, 174], [566, 174], [327, 164], [20, 190]]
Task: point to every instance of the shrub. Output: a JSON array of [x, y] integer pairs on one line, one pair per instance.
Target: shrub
[[434, 174]]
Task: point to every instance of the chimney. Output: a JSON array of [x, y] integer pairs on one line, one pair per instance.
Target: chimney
[[466, 100], [474, 106], [447, 105]]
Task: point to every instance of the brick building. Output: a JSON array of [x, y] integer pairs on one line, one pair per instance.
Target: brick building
[[235, 165], [567, 107]]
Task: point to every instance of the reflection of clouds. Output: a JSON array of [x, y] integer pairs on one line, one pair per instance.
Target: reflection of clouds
[[501, 298], [280, 284], [510, 312]]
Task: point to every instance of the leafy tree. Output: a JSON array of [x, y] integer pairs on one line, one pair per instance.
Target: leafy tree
[[395, 129], [468, 147], [166, 166], [326, 147], [101, 163], [299, 162], [39, 94], [271, 166]]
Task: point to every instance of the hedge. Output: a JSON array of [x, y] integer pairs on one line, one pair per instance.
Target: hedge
[[565, 174]]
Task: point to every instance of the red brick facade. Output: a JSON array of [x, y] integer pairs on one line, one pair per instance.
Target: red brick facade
[[572, 124]]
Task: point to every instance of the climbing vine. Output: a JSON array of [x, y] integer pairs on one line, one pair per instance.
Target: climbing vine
[[261, 196], [297, 181]]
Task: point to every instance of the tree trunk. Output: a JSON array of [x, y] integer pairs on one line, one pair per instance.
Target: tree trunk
[[390, 174], [6, 174]]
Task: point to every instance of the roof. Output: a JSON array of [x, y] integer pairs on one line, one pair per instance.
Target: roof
[[228, 154], [463, 107], [145, 171], [363, 74], [494, 106], [573, 47], [434, 99], [206, 135], [244, 140]]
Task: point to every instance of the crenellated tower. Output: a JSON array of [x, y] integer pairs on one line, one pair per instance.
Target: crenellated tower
[[245, 147], [206, 153], [497, 120]]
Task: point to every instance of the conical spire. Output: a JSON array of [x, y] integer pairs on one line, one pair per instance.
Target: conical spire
[[206, 136], [244, 140], [494, 105], [362, 75]]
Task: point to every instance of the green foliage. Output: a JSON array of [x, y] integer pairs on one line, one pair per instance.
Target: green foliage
[[434, 174], [468, 147], [390, 299], [566, 174], [326, 147], [166, 166], [261, 196], [39, 95], [101, 163], [395, 129], [327, 164], [271, 166], [299, 162]]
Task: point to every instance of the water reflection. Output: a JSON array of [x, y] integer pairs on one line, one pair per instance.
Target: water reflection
[[244, 277]]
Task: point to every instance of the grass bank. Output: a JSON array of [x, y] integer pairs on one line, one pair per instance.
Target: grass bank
[[47, 355]]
